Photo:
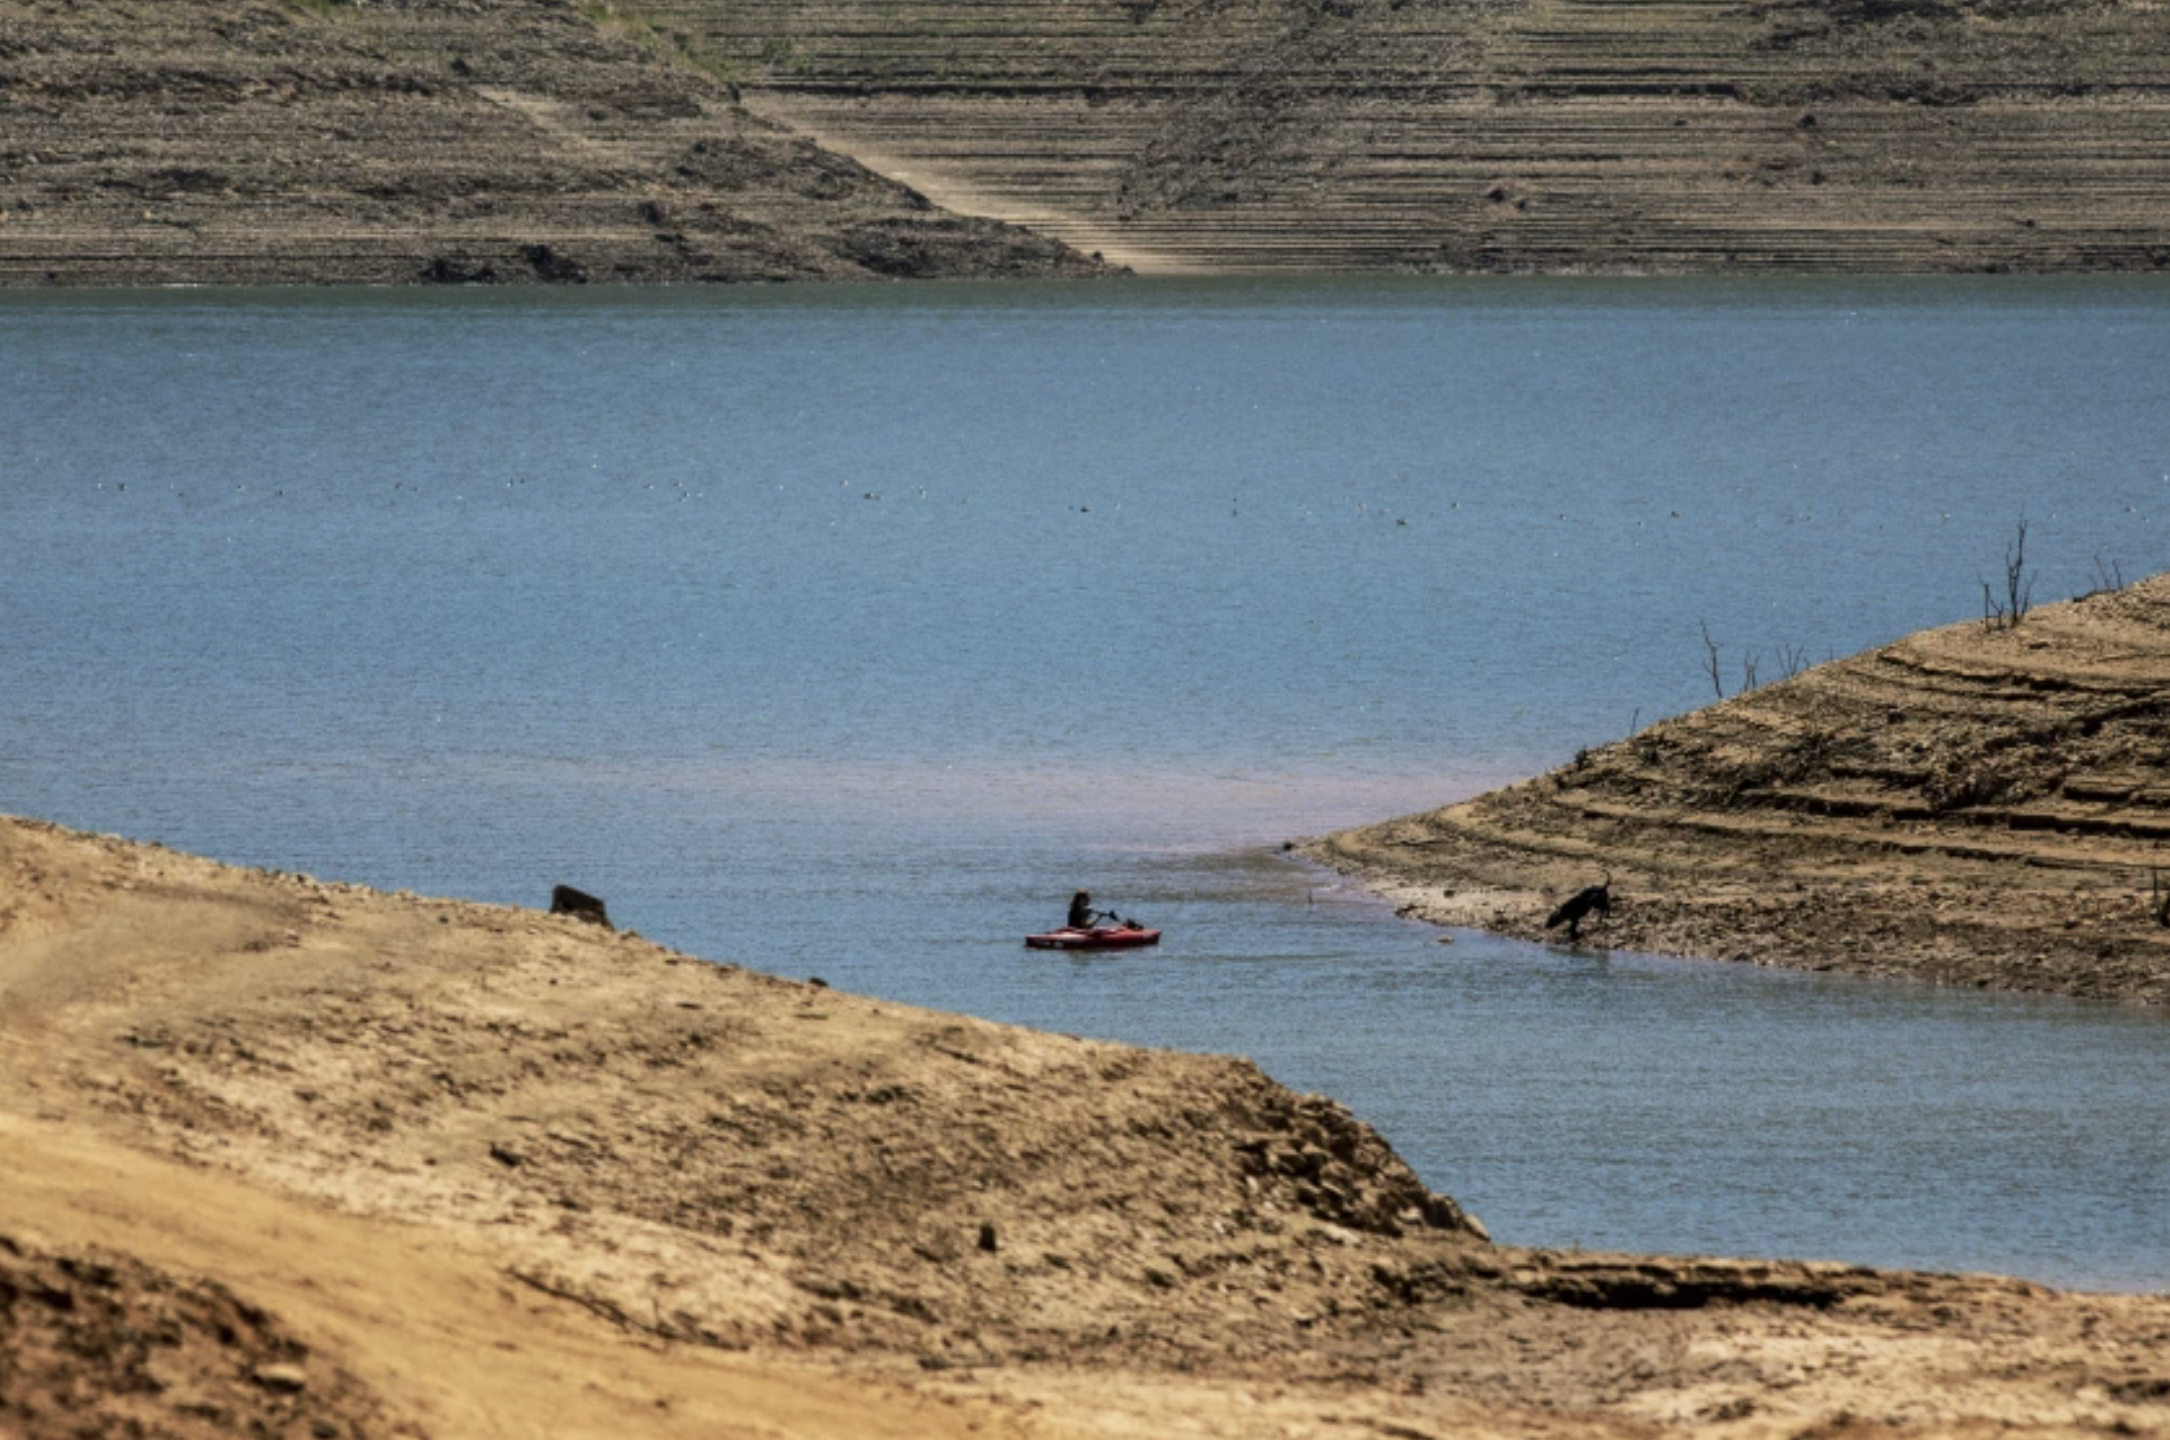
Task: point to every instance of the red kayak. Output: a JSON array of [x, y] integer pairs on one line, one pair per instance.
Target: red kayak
[[1101, 937]]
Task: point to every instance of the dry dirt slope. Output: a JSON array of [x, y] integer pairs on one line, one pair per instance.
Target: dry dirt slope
[[1982, 804], [1828, 135], [289, 1158], [226, 141], [356, 141]]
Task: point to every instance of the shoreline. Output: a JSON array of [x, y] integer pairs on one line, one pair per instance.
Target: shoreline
[[511, 143], [540, 142], [1972, 805], [458, 1166]]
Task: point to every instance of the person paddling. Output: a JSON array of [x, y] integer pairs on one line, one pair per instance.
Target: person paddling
[[1090, 929]]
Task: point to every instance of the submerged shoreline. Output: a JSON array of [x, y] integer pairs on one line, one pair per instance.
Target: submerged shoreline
[[446, 1167], [1979, 805]]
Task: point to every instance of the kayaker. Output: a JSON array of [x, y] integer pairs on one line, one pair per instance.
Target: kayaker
[[1082, 914]]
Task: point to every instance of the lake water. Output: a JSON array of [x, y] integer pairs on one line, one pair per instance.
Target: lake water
[[846, 631]]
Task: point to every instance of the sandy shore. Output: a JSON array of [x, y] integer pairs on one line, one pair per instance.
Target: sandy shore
[[1979, 805], [286, 1157]]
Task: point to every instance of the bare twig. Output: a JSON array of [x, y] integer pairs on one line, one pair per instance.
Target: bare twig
[[1710, 660], [2107, 577], [2018, 585]]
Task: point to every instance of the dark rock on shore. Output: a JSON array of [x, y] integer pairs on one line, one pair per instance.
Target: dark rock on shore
[[517, 1176], [1981, 804]]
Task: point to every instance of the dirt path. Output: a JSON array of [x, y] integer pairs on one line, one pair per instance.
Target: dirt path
[[951, 187], [1511, 136], [203, 142]]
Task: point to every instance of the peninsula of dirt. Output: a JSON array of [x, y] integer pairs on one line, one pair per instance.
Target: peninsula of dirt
[[1984, 804], [292, 1158], [554, 141]]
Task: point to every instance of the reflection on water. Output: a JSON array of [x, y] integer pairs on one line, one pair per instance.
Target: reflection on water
[[848, 632]]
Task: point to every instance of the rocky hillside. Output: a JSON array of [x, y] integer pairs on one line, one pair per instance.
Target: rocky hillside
[[1556, 135], [283, 141], [658, 140], [1985, 804]]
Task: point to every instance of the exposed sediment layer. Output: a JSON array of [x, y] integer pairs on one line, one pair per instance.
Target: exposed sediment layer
[[1984, 804], [313, 1160], [190, 141], [1490, 135], [202, 142]]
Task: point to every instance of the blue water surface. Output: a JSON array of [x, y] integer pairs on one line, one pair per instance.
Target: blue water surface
[[846, 631]]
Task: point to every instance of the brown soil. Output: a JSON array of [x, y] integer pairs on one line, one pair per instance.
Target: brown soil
[[1983, 805], [448, 141], [296, 1158], [556, 141], [1499, 135], [97, 1346]]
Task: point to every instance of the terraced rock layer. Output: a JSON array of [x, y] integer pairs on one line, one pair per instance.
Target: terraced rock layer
[[1518, 135], [203, 142], [1982, 804]]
